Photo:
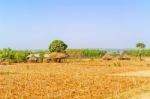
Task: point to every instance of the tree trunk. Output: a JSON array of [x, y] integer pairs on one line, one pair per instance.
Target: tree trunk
[[140, 55]]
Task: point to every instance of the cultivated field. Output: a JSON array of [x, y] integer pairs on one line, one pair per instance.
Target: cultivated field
[[86, 79]]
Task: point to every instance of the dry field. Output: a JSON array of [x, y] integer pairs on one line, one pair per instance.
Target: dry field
[[88, 79]]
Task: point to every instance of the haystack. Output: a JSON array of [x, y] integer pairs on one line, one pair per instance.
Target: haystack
[[33, 58], [107, 56], [124, 56]]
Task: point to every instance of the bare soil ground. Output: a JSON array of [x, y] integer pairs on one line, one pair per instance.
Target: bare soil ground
[[144, 96], [145, 73], [145, 92], [79, 80]]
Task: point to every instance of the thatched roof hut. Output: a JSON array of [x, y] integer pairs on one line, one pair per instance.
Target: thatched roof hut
[[107, 56], [33, 57], [57, 56], [46, 55], [46, 58], [124, 56], [4, 61]]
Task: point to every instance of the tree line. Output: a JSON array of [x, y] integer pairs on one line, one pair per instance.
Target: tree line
[[17, 56]]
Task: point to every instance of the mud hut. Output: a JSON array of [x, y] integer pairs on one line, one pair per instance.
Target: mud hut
[[107, 56], [124, 56], [34, 58], [57, 56], [4, 61]]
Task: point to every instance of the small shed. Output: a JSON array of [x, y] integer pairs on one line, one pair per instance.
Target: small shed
[[33, 58]]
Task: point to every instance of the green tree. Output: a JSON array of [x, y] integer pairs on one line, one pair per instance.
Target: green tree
[[140, 46], [7, 53], [57, 46]]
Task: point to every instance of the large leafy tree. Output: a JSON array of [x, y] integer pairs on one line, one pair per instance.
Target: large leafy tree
[[57, 46], [140, 46]]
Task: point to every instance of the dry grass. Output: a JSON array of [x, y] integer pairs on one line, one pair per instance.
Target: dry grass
[[78, 80]]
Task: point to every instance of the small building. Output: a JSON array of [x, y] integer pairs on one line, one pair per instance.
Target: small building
[[107, 56], [124, 56], [34, 58], [4, 61], [56, 56], [46, 58]]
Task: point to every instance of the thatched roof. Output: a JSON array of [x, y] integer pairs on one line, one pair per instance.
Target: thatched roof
[[107, 56], [4, 60], [33, 55], [124, 56], [46, 55], [54, 55]]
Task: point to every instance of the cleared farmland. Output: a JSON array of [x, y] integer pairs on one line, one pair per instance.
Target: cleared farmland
[[78, 80]]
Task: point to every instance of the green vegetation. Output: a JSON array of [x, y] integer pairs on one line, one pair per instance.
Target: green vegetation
[[74, 53], [87, 53], [7, 53], [57, 46], [144, 52], [14, 55], [140, 46], [17, 56]]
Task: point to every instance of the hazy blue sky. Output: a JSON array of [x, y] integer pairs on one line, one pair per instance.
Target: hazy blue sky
[[33, 24]]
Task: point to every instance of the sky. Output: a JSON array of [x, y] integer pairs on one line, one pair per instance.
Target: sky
[[34, 24]]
